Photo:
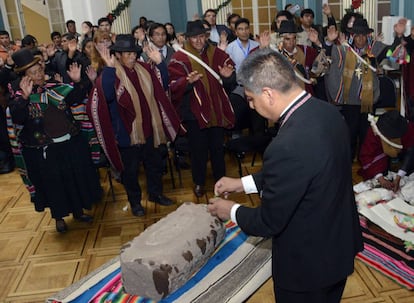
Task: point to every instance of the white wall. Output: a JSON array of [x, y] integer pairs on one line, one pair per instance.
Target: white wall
[[84, 10], [157, 10], [36, 6]]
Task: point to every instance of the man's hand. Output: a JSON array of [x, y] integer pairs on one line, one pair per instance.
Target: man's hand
[[387, 184], [153, 53], [74, 72], [220, 207], [26, 85], [264, 39], [313, 36], [326, 10], [226, 70], [228, 185], [193, 77], [396, 183], [105, 55]]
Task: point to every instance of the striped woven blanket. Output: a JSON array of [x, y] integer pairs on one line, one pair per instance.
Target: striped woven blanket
[[239, 266], [387, 254]]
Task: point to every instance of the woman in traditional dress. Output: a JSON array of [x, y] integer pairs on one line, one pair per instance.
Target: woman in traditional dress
[[55, 155]]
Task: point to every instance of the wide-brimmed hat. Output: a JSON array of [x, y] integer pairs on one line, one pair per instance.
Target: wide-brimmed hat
[[125, 43], [24, 59], [360, 27], [287, 27], [194, 28], [392, 125]]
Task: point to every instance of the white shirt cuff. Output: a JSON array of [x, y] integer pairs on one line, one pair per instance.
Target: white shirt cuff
[[377, 176], [248, 185], [233, 212], [401, 173]]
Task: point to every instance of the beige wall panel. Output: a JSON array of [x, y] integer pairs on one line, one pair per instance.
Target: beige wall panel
[[36, 25]]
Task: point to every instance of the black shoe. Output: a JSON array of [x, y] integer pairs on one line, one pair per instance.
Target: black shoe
[[6, 166], [84, 218], [199, 191], [160, 199], [138, 210], [61, 226]]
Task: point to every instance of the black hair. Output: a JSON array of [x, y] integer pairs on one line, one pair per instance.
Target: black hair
[[307, 11], [54, 34], [209, 10], [154, 26], [104, 19], [241, 20], [69, 22], [231, 16], [4, 33]]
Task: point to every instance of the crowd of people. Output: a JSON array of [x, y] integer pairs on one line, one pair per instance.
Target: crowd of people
[[153, 86]]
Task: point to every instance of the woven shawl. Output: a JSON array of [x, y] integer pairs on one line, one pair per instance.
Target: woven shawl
[[137, 133]]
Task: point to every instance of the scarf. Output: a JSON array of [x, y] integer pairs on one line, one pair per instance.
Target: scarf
[[137, 133], [367, 93]]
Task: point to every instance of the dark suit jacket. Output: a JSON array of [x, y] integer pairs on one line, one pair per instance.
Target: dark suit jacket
[[308, 205]]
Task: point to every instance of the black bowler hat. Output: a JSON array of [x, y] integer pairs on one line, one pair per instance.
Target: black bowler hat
[[195, 28], [125, 43], [24, 59], [392, 125], [360, 27], [288, 27]]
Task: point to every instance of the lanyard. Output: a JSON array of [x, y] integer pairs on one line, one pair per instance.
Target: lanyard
[[245, 52]]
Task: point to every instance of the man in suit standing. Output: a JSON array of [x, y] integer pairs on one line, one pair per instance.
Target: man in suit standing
[[307, 205]]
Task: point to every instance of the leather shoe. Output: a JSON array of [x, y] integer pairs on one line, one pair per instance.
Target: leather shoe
[[199, 191], [84, 218], [160, 199], [6, 166], [138, 210], [61, 226]]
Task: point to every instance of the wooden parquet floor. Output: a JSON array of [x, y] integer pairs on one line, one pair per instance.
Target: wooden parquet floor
[[36, 261]]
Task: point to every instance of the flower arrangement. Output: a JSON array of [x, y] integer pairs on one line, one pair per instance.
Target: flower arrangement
[[116, 12], [354, 6]]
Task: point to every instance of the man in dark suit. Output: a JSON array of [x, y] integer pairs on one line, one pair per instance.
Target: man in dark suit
[[308, 205]]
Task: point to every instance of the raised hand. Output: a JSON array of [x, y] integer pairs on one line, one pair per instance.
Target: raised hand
[[26, 85], [326, 10], [74, 72], [51, 50], [105, 55], [226, 70], [153, 53], [264, 39], [91, 73], [58, 78], [193, 77], [332, 33], [72, 47], [313, 36]]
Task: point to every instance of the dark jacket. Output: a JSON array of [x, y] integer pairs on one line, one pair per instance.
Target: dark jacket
[[308, 205]]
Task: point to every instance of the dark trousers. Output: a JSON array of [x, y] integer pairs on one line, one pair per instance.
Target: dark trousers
[[151, 159], [331, 294], [202, 143], [357, 125], [245, 116]]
